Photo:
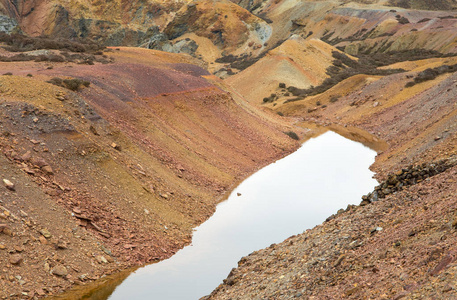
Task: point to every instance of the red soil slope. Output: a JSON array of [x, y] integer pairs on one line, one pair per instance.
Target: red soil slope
[[127, 166]]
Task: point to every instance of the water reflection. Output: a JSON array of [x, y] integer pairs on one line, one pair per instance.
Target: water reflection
[[295, 193]]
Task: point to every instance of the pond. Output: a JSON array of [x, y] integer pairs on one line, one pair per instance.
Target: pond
[[283, 199]]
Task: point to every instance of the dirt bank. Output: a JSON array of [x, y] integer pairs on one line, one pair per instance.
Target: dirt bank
[[399, 247], [118, 172]]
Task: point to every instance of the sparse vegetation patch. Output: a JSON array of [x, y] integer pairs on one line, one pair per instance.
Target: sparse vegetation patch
[[72, 84], [430, 74], [292, 135], [21, 43], [343, 67], [77, 51]]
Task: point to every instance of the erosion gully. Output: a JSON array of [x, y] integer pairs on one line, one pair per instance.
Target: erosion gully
[[298, 192]]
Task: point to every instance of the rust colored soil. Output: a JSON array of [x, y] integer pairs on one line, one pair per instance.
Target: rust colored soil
[[123, 169]]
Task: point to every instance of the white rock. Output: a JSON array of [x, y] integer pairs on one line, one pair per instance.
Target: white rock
[[9, 185]]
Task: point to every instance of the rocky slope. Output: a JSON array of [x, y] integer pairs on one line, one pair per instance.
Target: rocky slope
[[109, 22], [400, 242], [296, 62], [109, 165], [111, 156], [213, 30]]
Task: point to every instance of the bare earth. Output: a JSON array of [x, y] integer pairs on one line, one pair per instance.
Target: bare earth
[[117, 174], [399, 247]]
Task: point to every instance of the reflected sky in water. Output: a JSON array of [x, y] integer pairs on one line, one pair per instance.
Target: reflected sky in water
[[285, 198]]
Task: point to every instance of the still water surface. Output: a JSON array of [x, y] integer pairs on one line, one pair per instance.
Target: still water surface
[[285, 198]]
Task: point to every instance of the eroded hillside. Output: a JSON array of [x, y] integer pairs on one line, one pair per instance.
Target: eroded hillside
[[400, 242], [109, 165], [111, 156], [231, 35]]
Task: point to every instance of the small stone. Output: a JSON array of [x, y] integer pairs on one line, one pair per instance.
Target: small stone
[[48, 170], [35, 119], [18, 248], [101, 259], [46, 267], [365, 202], [61, 244], [238, 194], [6, 230], [441, 265], [93, 130], [40, 292], [9, 185], [46, 233], [165, 196], [2, 247], [146, 211], [28, 171], [454, 223], [59, 270], [106, 250], [377, 229], [129, 246], [43, 240], [15, 259], [82, 277], [77, 210], [26, 156], [437, 138], [39, 162], [339, 260], [116, 146]]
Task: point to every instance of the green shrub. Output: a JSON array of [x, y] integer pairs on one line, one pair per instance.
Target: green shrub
[[71, 84], [333, 99], [430, 74], [20, 43], [292, 135], [350, 68], [56, 81]]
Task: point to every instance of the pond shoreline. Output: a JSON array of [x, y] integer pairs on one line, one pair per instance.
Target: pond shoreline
[[242, 192]]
